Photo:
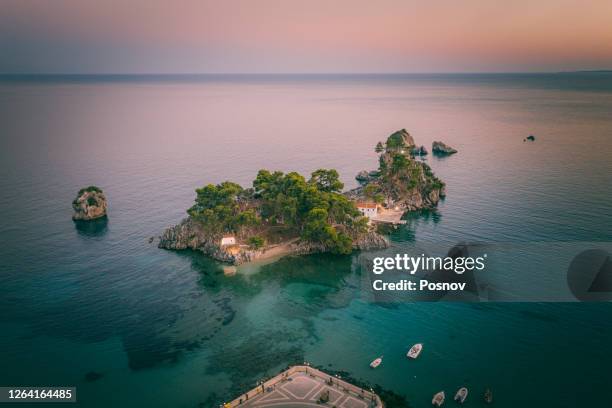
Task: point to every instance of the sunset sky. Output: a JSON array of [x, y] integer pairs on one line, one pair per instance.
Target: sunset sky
[[314, 36]]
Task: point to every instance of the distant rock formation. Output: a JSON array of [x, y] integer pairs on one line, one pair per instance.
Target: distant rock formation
[[530, 138], [89, 204], [442, 148], [419, 151]]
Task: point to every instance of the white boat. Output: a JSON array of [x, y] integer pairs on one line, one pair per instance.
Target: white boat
[[376, 362], [415, 350], [461, 395], [438, 399]]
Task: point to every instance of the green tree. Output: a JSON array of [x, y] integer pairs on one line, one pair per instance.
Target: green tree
[[316, 227], [217, 206], [256, 242], [379, 147], [326, 180], [400, 162], [379, 198], [370, 190], [343, 244], [248, 218]]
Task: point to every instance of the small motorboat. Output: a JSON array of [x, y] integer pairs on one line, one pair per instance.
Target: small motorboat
[[438, 399], [461, 395], [488, 396], [415, 350], [376, 362]]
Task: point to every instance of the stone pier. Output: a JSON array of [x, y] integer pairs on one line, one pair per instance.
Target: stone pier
[[303, 386]]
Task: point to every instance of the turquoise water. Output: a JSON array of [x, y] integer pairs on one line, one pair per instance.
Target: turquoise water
[[170, 329]]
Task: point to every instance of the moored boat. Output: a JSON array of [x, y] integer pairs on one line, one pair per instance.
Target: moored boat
[[438, 399], [461, 395], [376, 362], [415, 350], [488, 396]]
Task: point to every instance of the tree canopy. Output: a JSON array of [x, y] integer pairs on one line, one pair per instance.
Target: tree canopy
[[314, 209]]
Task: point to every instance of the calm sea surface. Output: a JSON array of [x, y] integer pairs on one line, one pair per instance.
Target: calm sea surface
[[167, 329]]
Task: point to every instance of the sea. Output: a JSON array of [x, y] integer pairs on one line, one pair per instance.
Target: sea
[[99, 307]]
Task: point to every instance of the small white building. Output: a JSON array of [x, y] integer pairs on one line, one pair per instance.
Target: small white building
[[369, 210], [228, 240]]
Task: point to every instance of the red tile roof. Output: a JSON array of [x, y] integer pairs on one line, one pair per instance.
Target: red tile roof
[[366, 205]]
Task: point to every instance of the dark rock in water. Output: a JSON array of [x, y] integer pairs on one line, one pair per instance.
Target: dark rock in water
[[530, 138], [419, 151], [93, 376], [442, 149], [363, 175], [89, 204]]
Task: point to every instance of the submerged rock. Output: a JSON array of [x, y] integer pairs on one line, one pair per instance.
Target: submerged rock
[[89, 204], [93, 376], [442, 148]]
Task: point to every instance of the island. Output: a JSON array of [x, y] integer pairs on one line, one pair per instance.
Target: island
[[442, 149], [89, 204], [285, 214], [400, 183]]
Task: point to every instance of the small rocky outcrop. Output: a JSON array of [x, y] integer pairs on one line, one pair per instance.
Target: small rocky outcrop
[[530, 138], [442, 149], [370, 241], [365, 176], [89, 204], [420, 151]]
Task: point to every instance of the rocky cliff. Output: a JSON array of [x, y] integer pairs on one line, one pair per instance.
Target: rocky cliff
[[401, 181], [89, 204], [410, 185]]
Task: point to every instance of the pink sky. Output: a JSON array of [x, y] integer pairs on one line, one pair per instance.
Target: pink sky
[[304, 36]]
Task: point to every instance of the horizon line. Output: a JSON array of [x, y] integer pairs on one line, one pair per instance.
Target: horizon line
[[159, 74]]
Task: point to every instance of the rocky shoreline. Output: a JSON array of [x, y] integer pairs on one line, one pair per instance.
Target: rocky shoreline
[[189, 234]]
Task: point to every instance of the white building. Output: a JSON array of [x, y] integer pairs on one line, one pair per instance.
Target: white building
[[369, 210], [228, 240]]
